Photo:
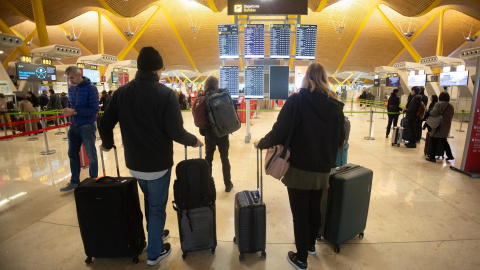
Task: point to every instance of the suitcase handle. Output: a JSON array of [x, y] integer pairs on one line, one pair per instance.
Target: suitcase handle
[[200, 152], [260, 173], [103, 163]]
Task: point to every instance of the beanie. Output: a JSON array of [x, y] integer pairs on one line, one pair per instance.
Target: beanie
[[149, 59]]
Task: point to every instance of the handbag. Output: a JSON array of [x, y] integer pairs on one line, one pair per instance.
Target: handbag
[[435, 121], [277, 158]]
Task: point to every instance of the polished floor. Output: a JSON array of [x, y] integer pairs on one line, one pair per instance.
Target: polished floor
[[422, 215]]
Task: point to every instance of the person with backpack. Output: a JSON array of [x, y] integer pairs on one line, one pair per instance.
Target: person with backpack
[[212, 140], [412, 108], [394, 110], [440, 134]]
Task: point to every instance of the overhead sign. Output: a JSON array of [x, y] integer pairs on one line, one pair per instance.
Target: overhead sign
[[262, 7]]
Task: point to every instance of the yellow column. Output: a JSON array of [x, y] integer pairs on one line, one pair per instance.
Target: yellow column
[[101, 47], [440, 36], [39, 16]]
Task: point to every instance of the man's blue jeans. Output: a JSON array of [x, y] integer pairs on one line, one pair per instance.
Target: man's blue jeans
[[155, 193], [76, 136]]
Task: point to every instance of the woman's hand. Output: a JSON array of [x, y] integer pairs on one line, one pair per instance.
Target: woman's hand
[[255, 143]]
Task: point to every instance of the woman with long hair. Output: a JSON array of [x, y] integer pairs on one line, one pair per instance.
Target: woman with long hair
[[317, 120]]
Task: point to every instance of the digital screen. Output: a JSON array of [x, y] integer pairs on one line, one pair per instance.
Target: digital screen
[[417, 80], [393, 81], [454, 78], [279, 41], [254, 84], [300, 72], [279, 78], [114, 77], [254, 41], [93, 75], [376, 82], [306, 42], [31, 72], [229, 80], [262, 7], [228, 41]]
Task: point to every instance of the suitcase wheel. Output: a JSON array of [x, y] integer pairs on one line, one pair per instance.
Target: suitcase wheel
[[135, 260], [184, 255], [241, 257], [88, 260], [213, 250], [264, 255], [337, 249], [361, 235]]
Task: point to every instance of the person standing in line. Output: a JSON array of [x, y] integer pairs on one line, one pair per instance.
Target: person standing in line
[[54, 103], [310, 113], [411, 115], [394, 110], [104, 100], [82, 110], [26, 106], [440, 134], [433, 101], [148, 127], [43, 100], [212, 141], [419, 121], [3, 109], [64, 100], [34, 100]]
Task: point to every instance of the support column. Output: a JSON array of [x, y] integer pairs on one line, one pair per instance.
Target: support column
[[39, 16], [440, 36], [101, 47]]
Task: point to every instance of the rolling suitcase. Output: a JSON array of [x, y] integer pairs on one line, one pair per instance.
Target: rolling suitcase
[[194, 192], [109, 216], [250, 218], [397, 136], [439, 151], [347, 204]]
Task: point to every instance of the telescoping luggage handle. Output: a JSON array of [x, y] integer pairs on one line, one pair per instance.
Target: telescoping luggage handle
[[103, 163], [200, 152], [259, 174]]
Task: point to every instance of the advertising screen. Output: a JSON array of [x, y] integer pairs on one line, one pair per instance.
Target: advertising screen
[[114, 77], [306, 42], [376, 82], [93, 75], [454, 78], [31, 72], [262, 7], [393, 81], [228, 41], [417, 80], [279, 78], [279, 41], [229, 80], [254, 84], [254, 41]]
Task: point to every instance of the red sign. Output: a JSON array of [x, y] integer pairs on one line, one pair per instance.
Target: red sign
[[472, 162], [120, 79], [126, 78]]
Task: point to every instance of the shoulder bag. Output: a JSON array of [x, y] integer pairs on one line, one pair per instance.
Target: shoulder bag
[[435, 121]]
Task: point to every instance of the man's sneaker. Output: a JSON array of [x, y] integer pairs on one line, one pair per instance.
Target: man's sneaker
[[292, 259], [228, 187], [311, 250], [163, 255], [68, 187], [165, 235]]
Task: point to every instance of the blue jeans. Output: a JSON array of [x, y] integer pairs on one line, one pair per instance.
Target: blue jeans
[[76, 136], [155, 193]]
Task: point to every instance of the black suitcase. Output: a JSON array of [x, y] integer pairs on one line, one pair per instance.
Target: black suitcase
[[109, 216], [196, 219], [439, 152], [347, 204], [250, 218], [406, 130]]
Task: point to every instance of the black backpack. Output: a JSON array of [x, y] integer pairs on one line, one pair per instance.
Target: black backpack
[[221, 112]]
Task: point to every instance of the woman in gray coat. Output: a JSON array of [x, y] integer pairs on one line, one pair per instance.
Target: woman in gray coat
[[440, 134]]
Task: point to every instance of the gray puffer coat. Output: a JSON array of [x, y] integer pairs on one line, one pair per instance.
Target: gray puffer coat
[[444, 129]]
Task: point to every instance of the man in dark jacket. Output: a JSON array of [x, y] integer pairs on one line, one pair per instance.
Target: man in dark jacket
[[148, 127], [411, 115], [419, 121], [43, 99], [82, 110]]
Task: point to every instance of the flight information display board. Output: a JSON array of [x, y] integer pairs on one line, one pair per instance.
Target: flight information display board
[[229, 80], [228, 41], [32, 72], [262, 7], [279, 41], [306, 42], [254, 84], [254, 41]]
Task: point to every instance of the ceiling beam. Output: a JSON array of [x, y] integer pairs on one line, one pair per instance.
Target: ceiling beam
[[5, 29], [14, 54], [20, 35], [336, 79], [214, 73], [118, 30], [440, 36], [101, 46], [212, 5], [78, 42], [321, 5], [40, 23], [197, 78], [185, 76], [359, 31]]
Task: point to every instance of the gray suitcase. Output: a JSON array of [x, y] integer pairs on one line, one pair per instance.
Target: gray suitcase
[[347, 204], [397, 136]]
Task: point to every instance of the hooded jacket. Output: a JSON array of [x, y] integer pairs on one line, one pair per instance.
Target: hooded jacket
[[84, 99], [318, 130], [412, 106]]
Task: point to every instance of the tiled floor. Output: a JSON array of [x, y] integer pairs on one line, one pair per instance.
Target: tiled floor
[[422, 215]]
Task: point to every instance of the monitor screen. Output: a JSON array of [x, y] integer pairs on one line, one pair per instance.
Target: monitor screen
[[115, 77], [279, 78], [306, 42], [299, 75], [393, 81], [376, 82], [254, 83], [417, 80], [454, 78], [93, 75], [228, 41], [254, 41], [32, 72], [262, 7], [279, 41], [229, 80]]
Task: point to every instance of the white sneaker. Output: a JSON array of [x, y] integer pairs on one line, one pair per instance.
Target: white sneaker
[[166, 251]]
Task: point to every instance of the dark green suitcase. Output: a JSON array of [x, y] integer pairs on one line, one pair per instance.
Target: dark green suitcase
[[347, 204]]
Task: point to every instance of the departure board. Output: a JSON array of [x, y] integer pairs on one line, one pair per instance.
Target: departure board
[[228, 41], [279, 41], [254, 41], [229, 80], [254, 84], [306, 42]]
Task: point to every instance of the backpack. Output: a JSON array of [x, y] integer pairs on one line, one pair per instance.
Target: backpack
[[200, 113], [221, 112], [421, 109]]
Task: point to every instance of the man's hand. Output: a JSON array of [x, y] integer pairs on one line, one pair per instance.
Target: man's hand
[[255, 143], [199, 143], [104, 149], [68, 111]]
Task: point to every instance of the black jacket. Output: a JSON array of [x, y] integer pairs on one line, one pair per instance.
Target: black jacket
[[318, 130], [43, 100], [394, 104], [412, 106], [148, 125], [424, 99], [34, 100]]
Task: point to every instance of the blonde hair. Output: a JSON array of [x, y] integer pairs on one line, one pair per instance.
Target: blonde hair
[[316, 80], [210, 83]]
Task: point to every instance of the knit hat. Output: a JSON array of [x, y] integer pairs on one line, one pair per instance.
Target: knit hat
[[149, 59]]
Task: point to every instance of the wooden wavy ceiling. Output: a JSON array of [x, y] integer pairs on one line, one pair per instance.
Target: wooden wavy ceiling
[[376, 44]]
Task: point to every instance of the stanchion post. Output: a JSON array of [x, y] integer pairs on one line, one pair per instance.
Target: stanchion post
[[5, 127], [66, 128], [47, 152], [96, 128], [248, 136], [370, 137], [31, 129], [351, 107], [371, 113], [461, 122], [58, 122]]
